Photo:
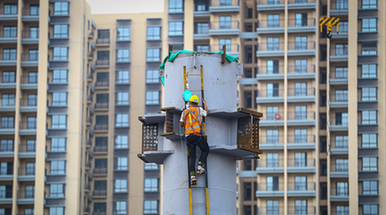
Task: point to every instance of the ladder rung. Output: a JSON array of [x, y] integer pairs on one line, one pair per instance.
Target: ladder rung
[[194, 75], [195, 90], [199, 203]]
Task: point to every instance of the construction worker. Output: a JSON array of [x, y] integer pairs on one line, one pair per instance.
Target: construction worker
[[191, 119]]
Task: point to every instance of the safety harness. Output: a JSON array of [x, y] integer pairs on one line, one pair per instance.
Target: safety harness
[[189, 114]]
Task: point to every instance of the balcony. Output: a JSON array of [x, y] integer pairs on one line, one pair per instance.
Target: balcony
[[301, 48], [301, 189], [26, 174], [270, 166], [101, 128], [299, 118], [224, 6], [338, 77], [339, 194], [29, 37], [102, 42], [101, 106], [301, 94], [25, 197], [339, 170], [30, 14], [338, 147], [338, 101], [102, 63], [298, 26], [100, 149], [6, 173], [270, 210], [201, 9], [7, 104], [270, 26], [295, 165], [7, 129], [100, 193], [6, 151], [301, 4], [27, 151], [90, 56], [272, 119], [8, 36], [270, 49], [224, 28], [6, 197], [29, 83], [338, 124], [7, 82], [270, 73], [101, 85], [27, 128], [269, 5], [7, 15], [301, 142], [301, 71], [231, 49], [89, 99], [339, 8], [270, 96], [304, 210], [28, 105], [90, 35], [88, 143], [270, 190], [100, 171], [271, 142], [339, 55], [8, 59]]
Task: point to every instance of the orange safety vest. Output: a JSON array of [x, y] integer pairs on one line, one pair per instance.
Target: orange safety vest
[[192, 120]]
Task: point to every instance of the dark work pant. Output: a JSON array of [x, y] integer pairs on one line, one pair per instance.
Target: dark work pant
[[203, 144]]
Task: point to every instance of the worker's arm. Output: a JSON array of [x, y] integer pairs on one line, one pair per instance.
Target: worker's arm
[[205, 107], [182, 119], [182, 124]]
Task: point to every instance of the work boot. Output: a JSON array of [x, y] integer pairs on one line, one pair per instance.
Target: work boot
[[200, 170], [193, 180]]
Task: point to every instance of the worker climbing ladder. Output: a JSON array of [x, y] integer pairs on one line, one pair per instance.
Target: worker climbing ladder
[[202, 185]]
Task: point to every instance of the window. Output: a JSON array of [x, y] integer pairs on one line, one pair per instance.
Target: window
[[176, 6], [201, 48], [369, 25], [59, 99], [34, 10], [100, 207], [152, 76], [301, 43], [123, 77], [10, 31], [201, 6], [341, 188], [341, 165], [57, 190], [121, 142], [225, 22], [59, 121], [100, 185], [33, 55], [300, 182], [300, 89], [301, 135], [59, 76], [272, 136], [9, 54], [175, 28], [122, 98], [123, 33], [272, 90], [201, 28], [152, 98], [8, 99], [227, 43], [370, 187], [30, 168], [61, 8], [341, 119], [341, 4], [341, 95], [10, 9], [7, 122], [123, 55], [272, 66], [273, 21], [58, 144], [272, 207], [369, 94], [121, 120], [60, 53], [150, 207], [32, 100], [301, 66], [120, 207], [153, 33], [151, 185], [101, 122], [369, 164], [369, 71], [103, 34], [120, 163], [31, 122], [369, 117], [56, 211], [272, 183], [272, 44], [300, 159], [369, 4], [151, 166], [370, 210], [60, 31], [341, 142], [343, 27], [272, 160], [32, 77], [103, 55], [6, 145], [271, 112], [301, 207], [9, 77], [341, 72], [58, 167], [102, 79], [301, 20], [6, 168], [120, 185], [29, 191], [29, 211], [152, 54], [301, 112], [101, 141], [341, 49], [369, 140], [225, 2]]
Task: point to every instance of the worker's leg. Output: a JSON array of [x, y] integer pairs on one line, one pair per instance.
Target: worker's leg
[[192, 152], [203, 144]]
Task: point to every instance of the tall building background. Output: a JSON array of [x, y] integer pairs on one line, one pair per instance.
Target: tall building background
[[73, 84]]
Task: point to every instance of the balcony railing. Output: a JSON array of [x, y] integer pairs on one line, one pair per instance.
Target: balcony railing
[[271, 140], [26, 171], [271, 116], [301, 1], [28, 125], [100, 149], [295, 162], [270, 46], [27, 148], [301, 69], [101, 105], [100, 193], [270, 93], [29, 102], [338, 98], [30, 35], [339, 144], [8, 57], [339, 167], [270, 2], [301, 91], [8, 34], [224, 25], [298, 115], [228, 48], [277, 23], [8, 12], [7, 102], [6, 170], [217, 3], [263, 70], [310, 45], [6, 147], [338, 122], [270, 210], [339, 52], [102, 41], [25, 194], [30, 11], [339, 74], [102, 62], [270, 186], [28, 80], [29, 57], [339, 5], [339, 191], [270, 163], [293, 139], [101, 127], [301, 186], [100, 171], [306, 210], [299, 23], [101, 84]]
